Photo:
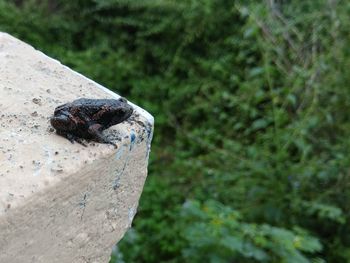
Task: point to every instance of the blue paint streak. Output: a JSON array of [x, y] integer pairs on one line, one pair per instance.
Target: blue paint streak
[[119, 153], [149, 138]]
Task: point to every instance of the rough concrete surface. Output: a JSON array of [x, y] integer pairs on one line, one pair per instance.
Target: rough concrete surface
[[61, 202]]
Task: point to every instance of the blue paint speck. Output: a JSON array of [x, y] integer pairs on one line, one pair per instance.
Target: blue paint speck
[[132, 140], [132, 137]]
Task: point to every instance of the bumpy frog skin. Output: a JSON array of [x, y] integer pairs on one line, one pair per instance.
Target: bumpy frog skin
[[87, 118]]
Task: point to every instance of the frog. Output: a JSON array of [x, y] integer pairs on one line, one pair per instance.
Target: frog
[[86, 119]]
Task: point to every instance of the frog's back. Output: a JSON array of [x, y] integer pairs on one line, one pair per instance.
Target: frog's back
[[93, 102], [91, 106]]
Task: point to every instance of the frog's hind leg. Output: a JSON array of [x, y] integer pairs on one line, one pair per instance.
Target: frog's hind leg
[[95, 131]]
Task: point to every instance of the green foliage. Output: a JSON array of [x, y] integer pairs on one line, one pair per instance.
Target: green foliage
[[216, 233], [251, 102]]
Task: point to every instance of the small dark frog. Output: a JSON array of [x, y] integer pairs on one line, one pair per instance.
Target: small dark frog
[[87, 118]]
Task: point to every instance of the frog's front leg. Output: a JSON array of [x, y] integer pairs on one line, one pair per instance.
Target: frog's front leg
[[95, 130], [71, 137]]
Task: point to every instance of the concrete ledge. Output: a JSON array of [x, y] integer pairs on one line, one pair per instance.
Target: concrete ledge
[[61, 202]]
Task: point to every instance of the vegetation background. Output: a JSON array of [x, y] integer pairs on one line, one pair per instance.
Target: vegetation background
[[251, 154]]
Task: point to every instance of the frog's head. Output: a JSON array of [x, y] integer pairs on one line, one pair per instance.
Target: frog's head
[[114, 112], [121, 111]]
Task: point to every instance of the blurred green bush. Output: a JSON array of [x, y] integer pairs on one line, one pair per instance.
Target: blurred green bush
[[251, 154]]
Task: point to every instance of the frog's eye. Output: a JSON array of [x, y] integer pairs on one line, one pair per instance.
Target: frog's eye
[[121, 99], [125, 112], [121, 111]]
